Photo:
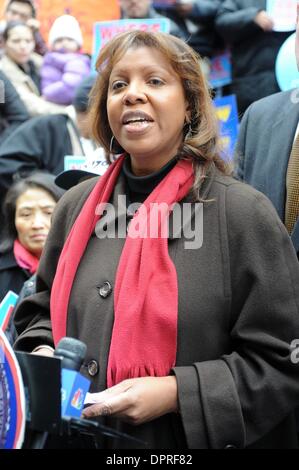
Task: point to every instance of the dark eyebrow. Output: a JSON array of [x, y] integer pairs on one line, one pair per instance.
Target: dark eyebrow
[[123, 71]]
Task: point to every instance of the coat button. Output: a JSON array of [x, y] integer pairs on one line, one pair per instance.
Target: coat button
[[230, 446], [105, 289], [93, 367]]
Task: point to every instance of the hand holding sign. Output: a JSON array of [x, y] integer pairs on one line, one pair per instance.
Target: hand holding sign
[[264, 21]]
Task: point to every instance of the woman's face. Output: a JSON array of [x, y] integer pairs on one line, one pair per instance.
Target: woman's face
[[20, 44], [146, 108], [34, 210]]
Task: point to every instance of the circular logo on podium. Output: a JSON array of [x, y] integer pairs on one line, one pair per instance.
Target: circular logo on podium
[[12, 398]]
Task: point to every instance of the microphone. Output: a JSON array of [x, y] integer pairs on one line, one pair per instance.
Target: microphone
[[72, 353], [51, 421], [74, 386]]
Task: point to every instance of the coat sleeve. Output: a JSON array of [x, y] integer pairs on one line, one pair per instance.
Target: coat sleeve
[[204, 9], [38, 144], [234, 23], [37, 105], [238, 398], [13, 109]]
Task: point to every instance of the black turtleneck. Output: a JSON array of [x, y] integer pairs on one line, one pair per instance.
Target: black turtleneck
[[139, 187]]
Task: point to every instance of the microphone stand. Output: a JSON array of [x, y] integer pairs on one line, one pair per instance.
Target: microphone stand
[[95, 429]]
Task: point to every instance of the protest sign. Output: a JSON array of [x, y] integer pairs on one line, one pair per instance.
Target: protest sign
[[283, 13], [221, 70], [227, 113], [87, 13], [6, 308], [106, 30]]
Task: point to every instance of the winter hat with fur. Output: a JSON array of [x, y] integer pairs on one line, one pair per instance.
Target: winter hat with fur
[[65, 26]]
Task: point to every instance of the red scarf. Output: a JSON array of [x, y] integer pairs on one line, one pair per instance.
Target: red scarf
[[144, 336], [24, 258]]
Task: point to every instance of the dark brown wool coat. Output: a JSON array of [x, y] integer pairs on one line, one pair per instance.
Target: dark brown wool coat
[[238, 314]]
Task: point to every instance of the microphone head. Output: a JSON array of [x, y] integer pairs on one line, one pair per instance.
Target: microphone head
[[72, 351]]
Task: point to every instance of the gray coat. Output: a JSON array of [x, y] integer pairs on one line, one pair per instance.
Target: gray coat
[[264, 146], [237, 315]]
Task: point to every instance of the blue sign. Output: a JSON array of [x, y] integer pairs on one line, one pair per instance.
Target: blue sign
[[105, 30], [286, 70], [12, 398], [6, 308], [221, 70], [72, 162], [74, 387], [227, 113]]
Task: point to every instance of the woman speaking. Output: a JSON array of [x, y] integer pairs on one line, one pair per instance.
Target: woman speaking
[[188, 343]]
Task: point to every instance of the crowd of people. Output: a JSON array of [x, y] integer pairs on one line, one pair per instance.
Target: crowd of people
[[188, 330]]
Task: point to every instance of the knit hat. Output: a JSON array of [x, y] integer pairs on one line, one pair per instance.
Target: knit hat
[[65, 26]]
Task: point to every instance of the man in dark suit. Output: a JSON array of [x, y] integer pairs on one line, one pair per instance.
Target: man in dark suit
[[267, 154]]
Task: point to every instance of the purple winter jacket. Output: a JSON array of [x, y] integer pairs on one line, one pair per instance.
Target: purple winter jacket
[[61, 74]]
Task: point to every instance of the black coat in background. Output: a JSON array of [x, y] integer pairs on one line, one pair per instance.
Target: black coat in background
[[12, 109], [203, 39], [253, 51], [12, 277], [39, 144]]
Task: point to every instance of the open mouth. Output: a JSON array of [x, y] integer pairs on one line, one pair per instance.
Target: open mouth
[[138, 123], [136, 118]]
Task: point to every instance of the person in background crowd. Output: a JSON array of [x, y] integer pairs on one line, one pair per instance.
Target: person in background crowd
[[43, 142], [65, 66], [22, 66], [267, 152], [12, 109], [187, 346], [247, 27], [25, 12], [196, 19], [28, 208], [134, 9]]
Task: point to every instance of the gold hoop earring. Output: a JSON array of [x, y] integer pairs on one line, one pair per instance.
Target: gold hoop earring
[[117, 150], [189, 132], [111, 144]]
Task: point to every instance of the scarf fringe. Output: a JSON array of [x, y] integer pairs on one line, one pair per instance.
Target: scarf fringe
[[116, 375]]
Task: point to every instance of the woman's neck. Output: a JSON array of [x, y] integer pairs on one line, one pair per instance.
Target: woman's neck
[[140, 186]]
